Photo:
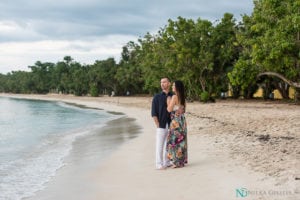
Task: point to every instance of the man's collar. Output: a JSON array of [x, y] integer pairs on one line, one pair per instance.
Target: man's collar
[[169, 93]]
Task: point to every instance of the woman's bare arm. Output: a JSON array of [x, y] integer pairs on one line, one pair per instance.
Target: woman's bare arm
[[171, 103]]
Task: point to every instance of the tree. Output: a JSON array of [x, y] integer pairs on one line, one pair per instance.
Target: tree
[[129, 73], [41, 76], [79, 79], [271, 42], [106, 70], [152, 61], [225, 49]]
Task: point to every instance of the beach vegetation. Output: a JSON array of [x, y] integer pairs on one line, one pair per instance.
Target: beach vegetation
[[204, 96], [211, 58]]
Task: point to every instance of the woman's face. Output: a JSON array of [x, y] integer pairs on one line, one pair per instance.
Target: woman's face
[[173, 88]]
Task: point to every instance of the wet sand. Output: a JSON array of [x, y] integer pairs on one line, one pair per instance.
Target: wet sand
[[73, 180]]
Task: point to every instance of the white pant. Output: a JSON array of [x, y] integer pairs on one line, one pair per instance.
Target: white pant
[[161, 147]]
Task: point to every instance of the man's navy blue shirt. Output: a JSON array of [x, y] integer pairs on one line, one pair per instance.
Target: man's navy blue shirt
[[159, 109]]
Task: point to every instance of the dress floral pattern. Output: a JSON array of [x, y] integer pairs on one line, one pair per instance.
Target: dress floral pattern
[[177, 138]]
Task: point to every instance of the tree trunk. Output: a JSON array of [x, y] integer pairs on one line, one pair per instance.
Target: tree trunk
[[283, 88], [297, 95], [291, 83]]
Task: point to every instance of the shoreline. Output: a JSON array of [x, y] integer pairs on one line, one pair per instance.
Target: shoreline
[[89, 148], [228, 146], [87, 154]]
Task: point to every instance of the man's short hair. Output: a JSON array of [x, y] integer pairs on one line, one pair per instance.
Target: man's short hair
[[165, 77]]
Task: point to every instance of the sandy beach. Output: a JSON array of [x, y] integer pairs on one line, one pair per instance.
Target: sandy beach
[[234, 146]]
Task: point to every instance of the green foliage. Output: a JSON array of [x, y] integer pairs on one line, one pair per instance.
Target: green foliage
[[270, 42], [106, 70], [94, 91], [209, 58], [129, 74], [204, 97], [16, 82]]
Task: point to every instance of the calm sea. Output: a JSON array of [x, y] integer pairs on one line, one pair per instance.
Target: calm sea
[[35, 137]]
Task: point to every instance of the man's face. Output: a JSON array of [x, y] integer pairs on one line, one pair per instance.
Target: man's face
[[165, 84]]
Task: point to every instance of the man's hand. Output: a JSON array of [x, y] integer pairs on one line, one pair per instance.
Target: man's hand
[[156, 121]]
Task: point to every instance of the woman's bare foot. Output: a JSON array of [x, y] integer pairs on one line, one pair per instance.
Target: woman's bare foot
[[161, 168]]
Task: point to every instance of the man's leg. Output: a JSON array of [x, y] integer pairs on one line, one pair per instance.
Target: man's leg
[[166, 161], [160, 144]]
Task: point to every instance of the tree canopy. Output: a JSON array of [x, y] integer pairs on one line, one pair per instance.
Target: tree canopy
[[210, 57]]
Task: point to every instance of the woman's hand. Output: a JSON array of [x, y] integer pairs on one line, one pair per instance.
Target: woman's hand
[[169, 100]]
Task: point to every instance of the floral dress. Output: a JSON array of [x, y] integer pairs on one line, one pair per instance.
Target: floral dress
[[177, 137]]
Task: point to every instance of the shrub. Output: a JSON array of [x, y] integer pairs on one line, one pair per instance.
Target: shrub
[[94, 91], [204, 96]]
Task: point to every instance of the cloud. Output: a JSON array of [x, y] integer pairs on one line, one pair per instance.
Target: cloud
[[73, 19], [16, 56], [14, 31]]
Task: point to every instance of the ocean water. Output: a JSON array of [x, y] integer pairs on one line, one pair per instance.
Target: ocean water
[[36, 137]]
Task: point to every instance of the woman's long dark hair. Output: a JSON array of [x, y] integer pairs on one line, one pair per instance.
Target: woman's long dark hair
[[180, 92]]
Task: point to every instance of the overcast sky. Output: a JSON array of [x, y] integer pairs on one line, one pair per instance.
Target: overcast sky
[[89, 30]]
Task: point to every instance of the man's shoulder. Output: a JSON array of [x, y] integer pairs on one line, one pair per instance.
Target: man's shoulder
[[162, 94], [157, 95]]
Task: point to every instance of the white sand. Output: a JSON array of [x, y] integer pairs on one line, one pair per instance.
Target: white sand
[[225, 153]]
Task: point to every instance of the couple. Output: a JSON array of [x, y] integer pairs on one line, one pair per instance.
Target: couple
[[171, 134]]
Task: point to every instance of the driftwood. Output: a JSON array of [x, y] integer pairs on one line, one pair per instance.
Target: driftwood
[[291, 83]]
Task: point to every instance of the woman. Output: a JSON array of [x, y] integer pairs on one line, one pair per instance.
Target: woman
[[177, 136]]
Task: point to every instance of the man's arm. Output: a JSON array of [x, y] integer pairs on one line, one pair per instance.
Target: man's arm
[[154, 111]]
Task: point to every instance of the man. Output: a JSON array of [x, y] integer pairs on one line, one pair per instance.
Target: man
[[162, 120]]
